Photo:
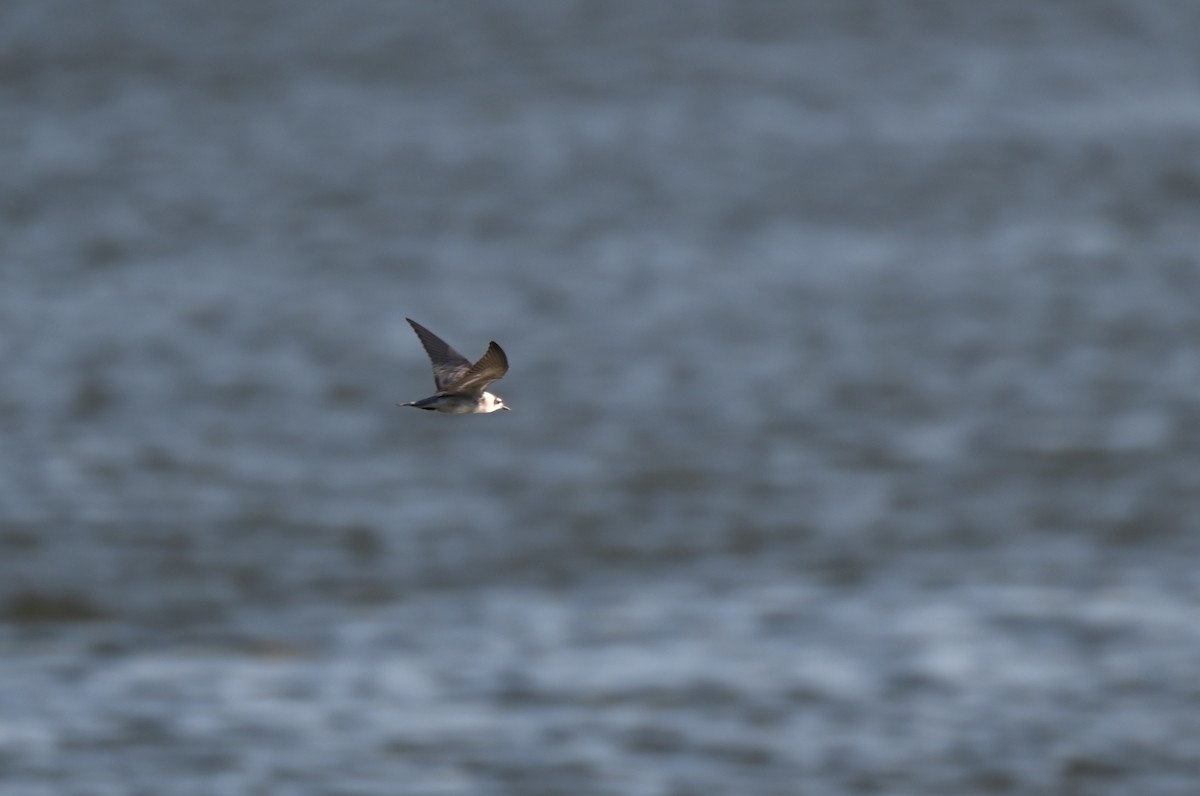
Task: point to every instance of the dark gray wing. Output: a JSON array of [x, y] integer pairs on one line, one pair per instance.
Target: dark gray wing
[[490, 367], [449, 366]]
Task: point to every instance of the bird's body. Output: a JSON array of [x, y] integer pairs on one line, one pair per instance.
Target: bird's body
[[457, 404], [461, 385]]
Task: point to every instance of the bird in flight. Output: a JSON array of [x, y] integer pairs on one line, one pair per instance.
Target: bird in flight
[[461, 385]]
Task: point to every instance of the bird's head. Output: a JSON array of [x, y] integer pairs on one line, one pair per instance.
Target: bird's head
[[494, 403]]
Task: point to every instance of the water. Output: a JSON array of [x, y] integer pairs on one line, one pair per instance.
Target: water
[[854, 438]]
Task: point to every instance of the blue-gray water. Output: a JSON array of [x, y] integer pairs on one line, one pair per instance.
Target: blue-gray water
[[856, 373]]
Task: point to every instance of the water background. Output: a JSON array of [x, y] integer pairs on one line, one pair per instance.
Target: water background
[[855, 445]]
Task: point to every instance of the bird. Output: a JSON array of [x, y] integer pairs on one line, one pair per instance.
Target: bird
[[461, 385]]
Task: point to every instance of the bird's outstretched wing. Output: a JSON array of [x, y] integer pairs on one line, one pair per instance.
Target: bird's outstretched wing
[[449, 366], [490, 367]]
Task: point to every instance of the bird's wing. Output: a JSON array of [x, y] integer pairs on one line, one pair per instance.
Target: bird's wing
[[490, 367], [449, 366]]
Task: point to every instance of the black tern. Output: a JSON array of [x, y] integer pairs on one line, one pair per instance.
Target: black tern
[[461, 386]]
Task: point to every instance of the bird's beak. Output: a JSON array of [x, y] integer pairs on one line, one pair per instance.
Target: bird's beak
[[506, 408]]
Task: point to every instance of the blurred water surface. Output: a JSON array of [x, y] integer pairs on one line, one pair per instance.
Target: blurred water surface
[[854, 365]]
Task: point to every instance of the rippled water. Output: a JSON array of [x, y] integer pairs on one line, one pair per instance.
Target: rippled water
[[854, 366]]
